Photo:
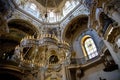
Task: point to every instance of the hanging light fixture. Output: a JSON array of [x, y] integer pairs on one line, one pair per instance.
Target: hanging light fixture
[[42, 51], [45, 50]]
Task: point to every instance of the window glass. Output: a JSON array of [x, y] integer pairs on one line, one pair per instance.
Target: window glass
[[33, 6], [51, 14], [90, 48], [32, 9]]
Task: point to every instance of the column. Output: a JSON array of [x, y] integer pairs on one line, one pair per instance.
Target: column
[[63, 73], [42, 74], [113, 11], [78, 74], [68, 74], [113, 54], [116, 16]]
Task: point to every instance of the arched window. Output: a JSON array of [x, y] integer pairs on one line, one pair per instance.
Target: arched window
[[33, 6], [32, 9], [89, 47], [69, 5]]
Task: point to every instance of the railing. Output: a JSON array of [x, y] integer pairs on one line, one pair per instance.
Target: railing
[[78, 61], [84, 60]]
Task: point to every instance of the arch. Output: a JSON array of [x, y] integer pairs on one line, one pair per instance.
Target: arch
[[23, 25], [18, 29], [75, 26], [88, 46]]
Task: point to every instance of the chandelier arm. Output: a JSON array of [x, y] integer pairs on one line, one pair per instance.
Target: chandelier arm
[[35, 54], [26, 52], [29, 47]]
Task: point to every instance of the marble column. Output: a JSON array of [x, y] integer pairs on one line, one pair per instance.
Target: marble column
[[115, 15], [113, 11], [112, 52]]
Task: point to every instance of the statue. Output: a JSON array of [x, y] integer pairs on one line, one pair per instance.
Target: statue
[[3, 25]]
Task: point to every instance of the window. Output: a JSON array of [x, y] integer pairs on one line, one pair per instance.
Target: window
[[69, 6], [32, 9], [33, 6], [51, 14], [89, 47]]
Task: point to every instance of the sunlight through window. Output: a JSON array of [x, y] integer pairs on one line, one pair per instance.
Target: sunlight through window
[[33, 6], [90, 48]]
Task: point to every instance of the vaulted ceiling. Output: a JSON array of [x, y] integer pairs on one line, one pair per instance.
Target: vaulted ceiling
[[50, 3]]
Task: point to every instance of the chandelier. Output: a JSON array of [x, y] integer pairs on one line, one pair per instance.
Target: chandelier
[[45, 50]]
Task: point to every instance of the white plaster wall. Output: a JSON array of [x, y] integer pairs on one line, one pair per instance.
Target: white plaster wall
[[77, 49]]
